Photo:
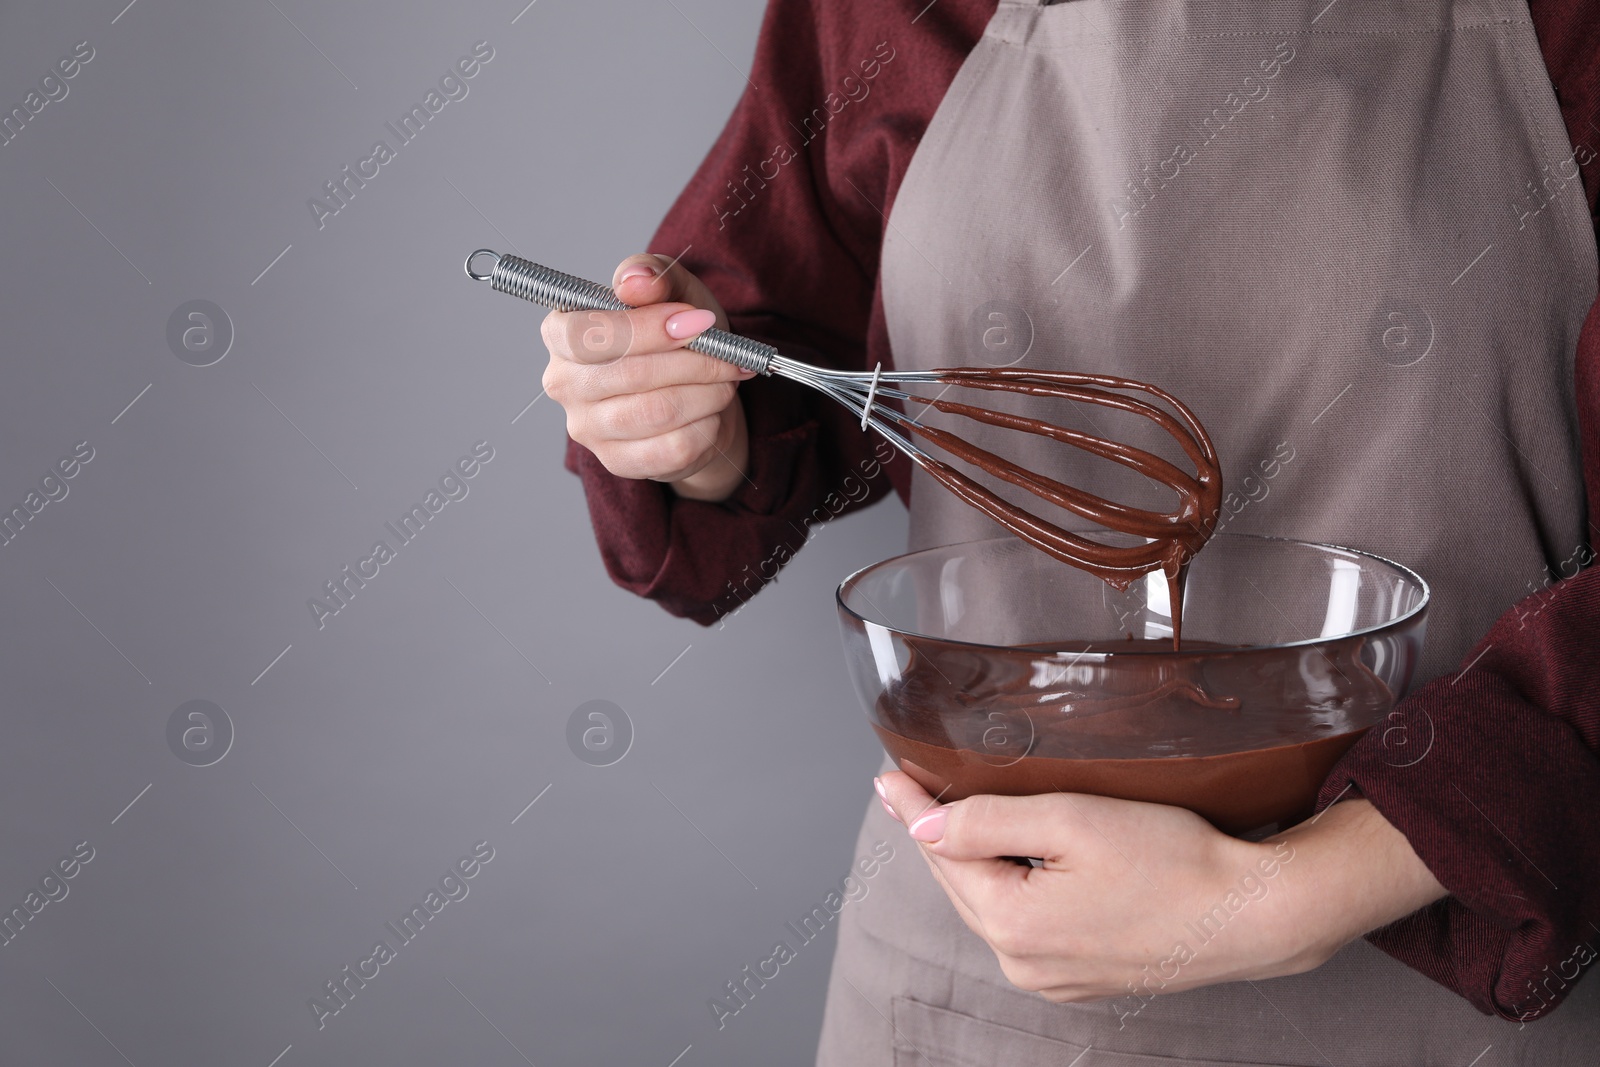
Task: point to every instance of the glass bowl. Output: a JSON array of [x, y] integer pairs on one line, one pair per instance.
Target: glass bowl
[[990, 667]]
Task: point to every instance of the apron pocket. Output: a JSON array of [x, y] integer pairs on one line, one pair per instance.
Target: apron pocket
[[926, 1036]]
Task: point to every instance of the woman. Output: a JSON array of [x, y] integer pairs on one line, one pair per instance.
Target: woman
[[1360, 230]]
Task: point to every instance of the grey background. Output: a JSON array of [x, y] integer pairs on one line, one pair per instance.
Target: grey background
[[423, 717]]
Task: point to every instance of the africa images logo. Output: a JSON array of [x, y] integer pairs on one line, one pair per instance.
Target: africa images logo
[[453, 87], [341, 989], [341, 590]]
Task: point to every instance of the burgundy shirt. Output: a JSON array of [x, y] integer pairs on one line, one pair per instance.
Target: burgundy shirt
[[794, 259]]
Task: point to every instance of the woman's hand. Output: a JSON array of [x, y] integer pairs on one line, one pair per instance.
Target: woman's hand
[[1140, 899], [644, 405]]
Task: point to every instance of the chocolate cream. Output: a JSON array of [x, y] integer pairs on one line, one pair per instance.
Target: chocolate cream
[[962, 721], [1175, 536], [1255, 730]]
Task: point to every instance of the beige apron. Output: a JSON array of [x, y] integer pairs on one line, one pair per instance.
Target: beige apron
[[1351, 237]]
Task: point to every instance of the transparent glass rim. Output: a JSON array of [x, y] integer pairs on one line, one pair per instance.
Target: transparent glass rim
[[1311, 642]]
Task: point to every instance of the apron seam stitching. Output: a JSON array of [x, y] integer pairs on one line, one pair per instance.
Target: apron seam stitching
[[1535, 118]]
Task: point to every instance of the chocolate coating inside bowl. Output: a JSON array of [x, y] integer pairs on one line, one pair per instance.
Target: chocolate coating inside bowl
[[1243, 737]]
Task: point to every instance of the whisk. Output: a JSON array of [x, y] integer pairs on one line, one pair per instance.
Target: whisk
[[1173, 536]]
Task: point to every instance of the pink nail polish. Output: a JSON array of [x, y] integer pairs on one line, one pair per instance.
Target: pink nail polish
[[877, 783], [930, 826], [638, 270], [688, 323], [888, 809]]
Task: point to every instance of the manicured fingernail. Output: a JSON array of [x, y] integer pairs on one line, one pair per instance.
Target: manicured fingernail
[[638, 270], [930, 826], [883, 798], [688, 323]]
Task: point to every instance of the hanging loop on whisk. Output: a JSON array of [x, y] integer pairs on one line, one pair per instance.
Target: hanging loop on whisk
[[566, 292], [474, 275]]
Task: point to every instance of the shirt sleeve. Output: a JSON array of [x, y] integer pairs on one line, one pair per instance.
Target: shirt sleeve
[[1492, 771], [783, 221]]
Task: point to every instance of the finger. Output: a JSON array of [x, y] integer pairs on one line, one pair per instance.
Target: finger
[[572, 383], [905, 796], [987, 889], [984, 826], [637, 416], [987, 827], [643, 373], [592, 337], [973, 920], [667, 458], [971, 884], [653, 279], [644, 265], [914, 798]]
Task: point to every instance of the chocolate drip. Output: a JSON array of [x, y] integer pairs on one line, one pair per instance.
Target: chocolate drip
[[1175, 536]]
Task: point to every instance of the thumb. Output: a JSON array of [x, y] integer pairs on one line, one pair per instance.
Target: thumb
[[652, 279], [989, 827]]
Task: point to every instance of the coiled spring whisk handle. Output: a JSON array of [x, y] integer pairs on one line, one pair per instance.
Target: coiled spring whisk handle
[[564, 292]]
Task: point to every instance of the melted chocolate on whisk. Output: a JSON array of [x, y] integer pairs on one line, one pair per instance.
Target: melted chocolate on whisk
[[1175, 536]]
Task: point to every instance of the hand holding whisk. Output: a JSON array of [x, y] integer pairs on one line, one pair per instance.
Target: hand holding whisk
[[1173, 536]]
